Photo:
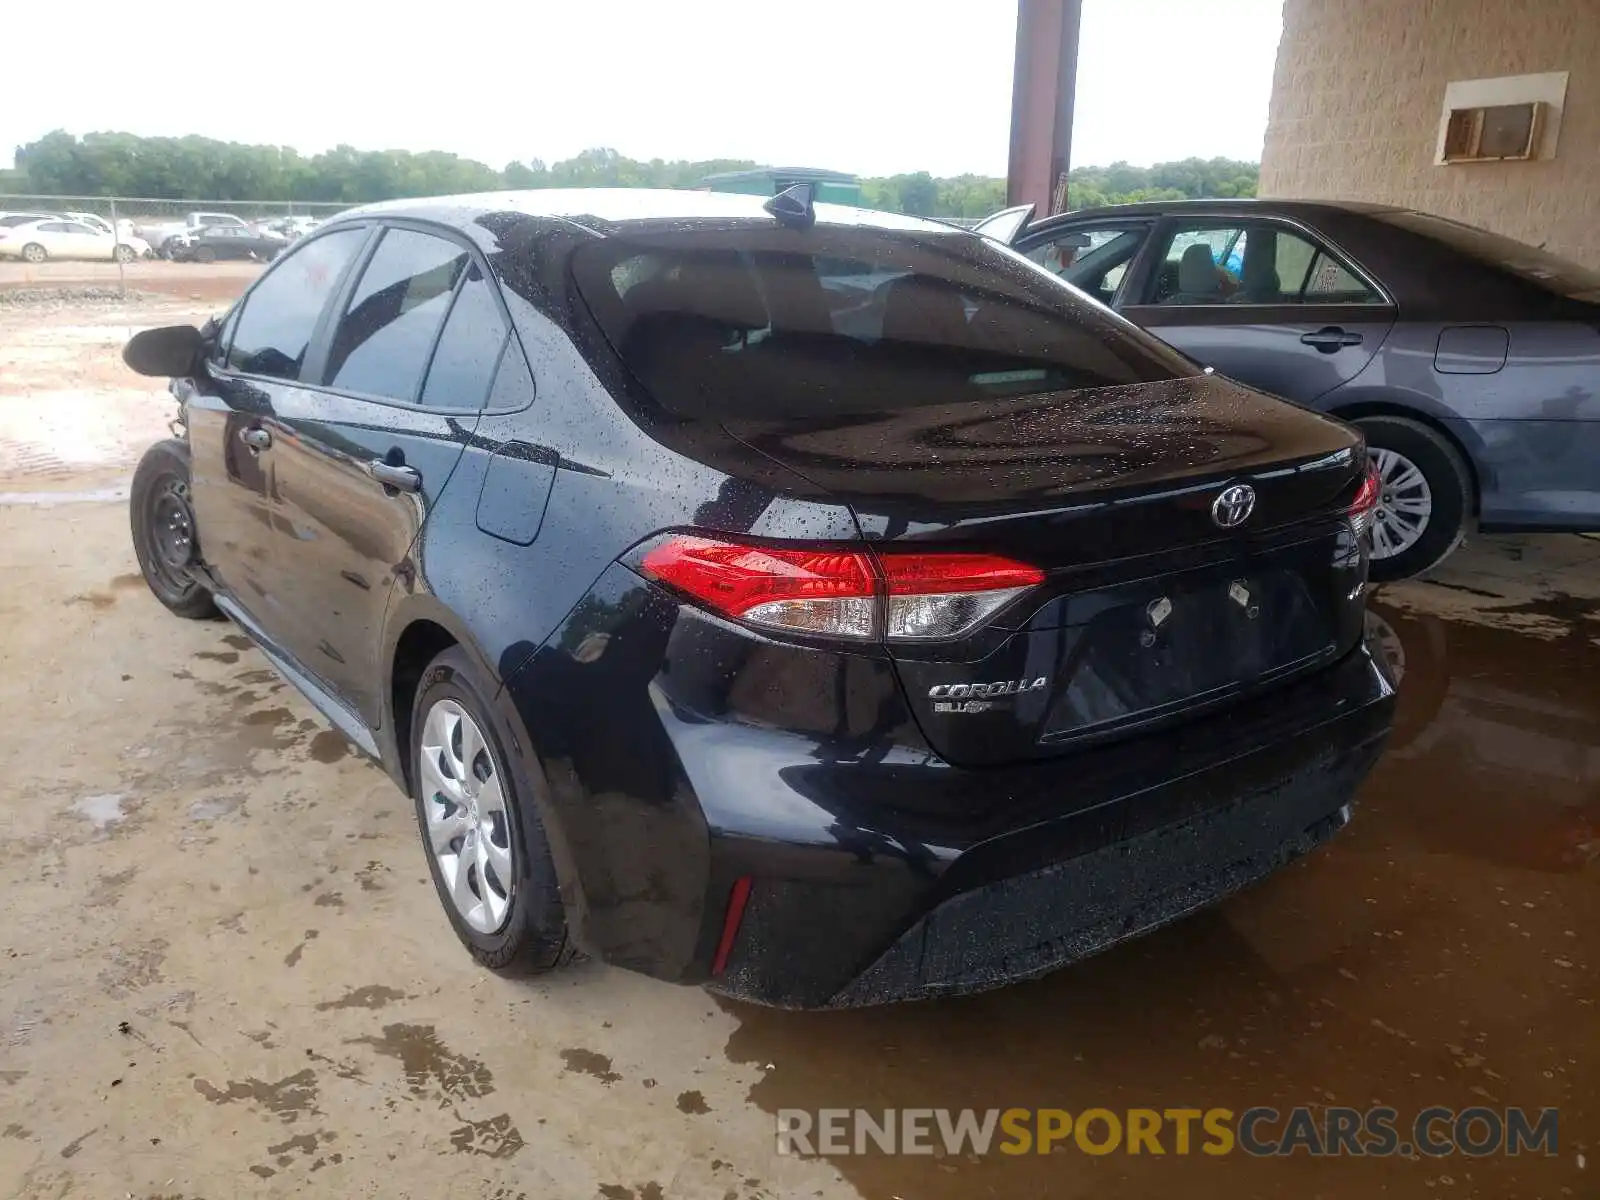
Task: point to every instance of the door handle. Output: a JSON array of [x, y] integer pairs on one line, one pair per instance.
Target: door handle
[[1331, 339], [256, 439], [398, 476]]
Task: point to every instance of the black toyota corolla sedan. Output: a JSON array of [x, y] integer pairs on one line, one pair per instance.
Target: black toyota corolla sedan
[[824, 606]]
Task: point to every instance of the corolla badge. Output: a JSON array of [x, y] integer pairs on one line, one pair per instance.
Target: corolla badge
[[979, 697], [1233, 505]]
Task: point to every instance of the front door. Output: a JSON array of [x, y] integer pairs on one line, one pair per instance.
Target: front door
[[1094, 256], [232, 413], [366, 455], [1262, 302]]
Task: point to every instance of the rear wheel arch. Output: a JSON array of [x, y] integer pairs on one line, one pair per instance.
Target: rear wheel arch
[[423, 632], [1355, 411], [418, 645]]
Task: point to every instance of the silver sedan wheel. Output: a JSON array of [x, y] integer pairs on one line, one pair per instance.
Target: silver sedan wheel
[[1405, 502], [469, 834]]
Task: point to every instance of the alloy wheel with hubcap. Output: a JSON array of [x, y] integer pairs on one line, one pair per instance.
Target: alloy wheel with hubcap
[[34, 253], [1405, 503], [1425, 495], [464, 802]]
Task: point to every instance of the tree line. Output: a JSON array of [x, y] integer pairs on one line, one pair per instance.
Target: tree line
[[122, 164]]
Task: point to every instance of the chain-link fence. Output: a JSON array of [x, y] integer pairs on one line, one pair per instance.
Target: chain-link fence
[[87, 243]]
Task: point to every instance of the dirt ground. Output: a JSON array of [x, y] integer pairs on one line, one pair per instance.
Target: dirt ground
[[223, 971], [192, 281]]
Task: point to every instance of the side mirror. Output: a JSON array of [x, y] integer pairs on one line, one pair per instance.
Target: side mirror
[[172, 351]]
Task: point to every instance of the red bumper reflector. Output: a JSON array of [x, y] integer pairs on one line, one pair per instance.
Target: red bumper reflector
[[737, 897]]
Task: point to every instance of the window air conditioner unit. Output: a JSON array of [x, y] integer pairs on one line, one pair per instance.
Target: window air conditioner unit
[[1494, 133]]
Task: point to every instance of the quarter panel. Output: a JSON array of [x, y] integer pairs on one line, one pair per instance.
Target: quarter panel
[[616, 481]]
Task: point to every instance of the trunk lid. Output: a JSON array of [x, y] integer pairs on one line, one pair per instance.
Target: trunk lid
[[1151, 611]]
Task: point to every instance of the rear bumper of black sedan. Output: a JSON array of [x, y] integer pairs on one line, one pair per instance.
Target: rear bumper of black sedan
[[836, 868], [898, 919]]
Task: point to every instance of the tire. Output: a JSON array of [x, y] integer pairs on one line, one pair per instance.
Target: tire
[[1446, 489], [516, 926], [123, 254], [159, 499], [205, 254], [34, 253]]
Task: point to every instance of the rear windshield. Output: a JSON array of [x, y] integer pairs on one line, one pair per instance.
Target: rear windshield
[[1539, 267], [757, 322]]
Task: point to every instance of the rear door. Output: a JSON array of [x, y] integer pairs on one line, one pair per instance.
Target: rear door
[[403, 376], [1267, 303], [232, 413]]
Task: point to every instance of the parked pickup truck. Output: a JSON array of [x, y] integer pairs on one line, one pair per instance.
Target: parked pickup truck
[[157, 235]]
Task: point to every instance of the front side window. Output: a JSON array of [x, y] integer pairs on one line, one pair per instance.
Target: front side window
[[383, 341], [1094, 260], [280, 313], [850, 320]]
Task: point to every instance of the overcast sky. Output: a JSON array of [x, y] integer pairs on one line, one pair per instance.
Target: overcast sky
[[870, 86]]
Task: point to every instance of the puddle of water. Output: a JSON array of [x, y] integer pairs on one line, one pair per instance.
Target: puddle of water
[[212, 808], [103, 810], [1441, 951]]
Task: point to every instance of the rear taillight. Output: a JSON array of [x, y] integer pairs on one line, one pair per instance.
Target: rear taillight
[[836, 592], [1365, 506]]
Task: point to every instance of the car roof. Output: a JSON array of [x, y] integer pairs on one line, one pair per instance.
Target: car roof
[[1269, 207], [612, 209]]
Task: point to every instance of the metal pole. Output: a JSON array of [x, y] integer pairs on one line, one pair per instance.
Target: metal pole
[[116, 241], [1044, 78]]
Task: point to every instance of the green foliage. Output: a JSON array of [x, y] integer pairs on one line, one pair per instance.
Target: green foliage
[[1193, 178], [120, 164]]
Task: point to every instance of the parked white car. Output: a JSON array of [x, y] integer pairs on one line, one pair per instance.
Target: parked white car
[[57, 237], [124, 229]]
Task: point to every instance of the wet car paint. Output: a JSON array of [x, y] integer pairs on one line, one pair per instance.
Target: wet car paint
[[623, 738], [1442, 951], [1526, 415]]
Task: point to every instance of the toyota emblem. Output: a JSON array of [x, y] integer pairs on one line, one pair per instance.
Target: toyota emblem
[[1233, 506]]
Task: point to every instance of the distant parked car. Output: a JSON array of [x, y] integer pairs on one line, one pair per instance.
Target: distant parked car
[[288, 228], [43, 238], [158, 234], [1470, 360], [124, 227], [224, 241]]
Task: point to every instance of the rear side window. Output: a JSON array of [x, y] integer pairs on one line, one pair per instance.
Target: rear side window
[[383, 340], [469, 348], [281, 311], [774, 322]]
